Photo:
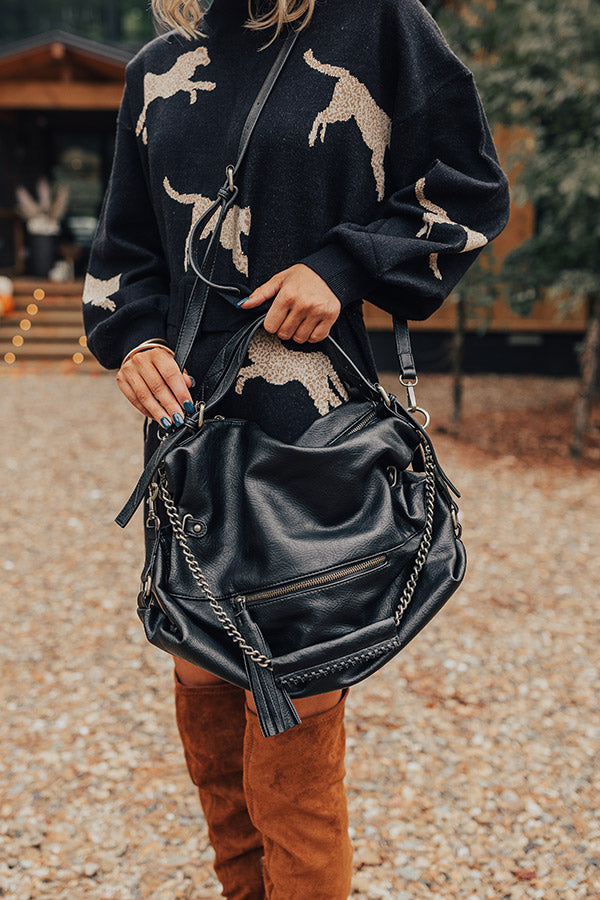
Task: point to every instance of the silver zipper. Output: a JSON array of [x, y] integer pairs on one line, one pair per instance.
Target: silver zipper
[[366, 419], [316, 581]]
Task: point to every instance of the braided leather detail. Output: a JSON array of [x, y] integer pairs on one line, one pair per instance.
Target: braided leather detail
[[340, 665]]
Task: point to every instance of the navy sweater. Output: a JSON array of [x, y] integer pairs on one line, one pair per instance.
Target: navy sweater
[[372, 163]]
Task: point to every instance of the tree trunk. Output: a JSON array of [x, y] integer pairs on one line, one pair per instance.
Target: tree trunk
[[589, 363], [457, 356]]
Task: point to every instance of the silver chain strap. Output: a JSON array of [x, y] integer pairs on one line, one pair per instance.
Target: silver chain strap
[[198, 576], [221, 614], [425, 544]]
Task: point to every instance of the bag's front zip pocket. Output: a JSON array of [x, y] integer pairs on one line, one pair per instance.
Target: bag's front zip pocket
[[326, 578]]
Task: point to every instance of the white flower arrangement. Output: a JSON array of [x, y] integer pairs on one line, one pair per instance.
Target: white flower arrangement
[[42, 216]]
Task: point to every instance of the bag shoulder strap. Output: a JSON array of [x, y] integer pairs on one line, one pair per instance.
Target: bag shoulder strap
[[226, 195]]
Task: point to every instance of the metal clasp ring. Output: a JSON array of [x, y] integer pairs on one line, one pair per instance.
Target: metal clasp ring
[[230, 170], [424, 413], [384, 394], [200, 405], [410, 386], [456, 524]]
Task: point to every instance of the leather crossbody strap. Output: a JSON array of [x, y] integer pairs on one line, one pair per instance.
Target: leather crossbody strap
[[226, 196]]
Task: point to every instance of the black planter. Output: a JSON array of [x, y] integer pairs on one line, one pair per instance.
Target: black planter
[[42, 253]]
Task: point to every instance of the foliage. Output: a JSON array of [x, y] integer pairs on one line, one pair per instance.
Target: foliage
[[536, 63], [102, 20]]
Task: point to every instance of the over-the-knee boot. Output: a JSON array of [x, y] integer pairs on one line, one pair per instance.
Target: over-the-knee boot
[[211, 723], [296, 797]]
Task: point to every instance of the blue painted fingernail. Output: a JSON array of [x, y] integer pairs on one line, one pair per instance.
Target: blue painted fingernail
[[239, 303], [193, 381], [166, 423], [189, 406], [178, 419]]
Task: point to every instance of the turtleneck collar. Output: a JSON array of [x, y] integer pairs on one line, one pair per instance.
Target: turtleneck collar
[[223, 12]]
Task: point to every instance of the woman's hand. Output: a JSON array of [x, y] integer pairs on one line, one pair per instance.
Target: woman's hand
[[304, 307], [153, 382]]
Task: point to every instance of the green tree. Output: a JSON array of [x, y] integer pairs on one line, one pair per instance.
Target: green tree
[[113, 21], [537, 64]]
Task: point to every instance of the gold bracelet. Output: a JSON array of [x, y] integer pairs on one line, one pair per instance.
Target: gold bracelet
[[148, 345]]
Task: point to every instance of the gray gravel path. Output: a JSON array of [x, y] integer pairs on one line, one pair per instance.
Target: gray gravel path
[[472, 757]]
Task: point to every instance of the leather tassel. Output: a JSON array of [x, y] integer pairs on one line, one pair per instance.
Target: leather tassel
[[275, 710]]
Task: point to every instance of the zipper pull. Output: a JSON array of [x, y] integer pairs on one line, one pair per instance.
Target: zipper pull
[[240, 601]]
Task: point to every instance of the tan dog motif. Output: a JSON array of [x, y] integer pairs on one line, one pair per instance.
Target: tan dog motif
[[97, 292], [177, 78], [351, 99], [236, 223], [278, 365], [435, 214]]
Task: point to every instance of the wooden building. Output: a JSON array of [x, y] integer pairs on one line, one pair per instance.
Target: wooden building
[[59, 96]]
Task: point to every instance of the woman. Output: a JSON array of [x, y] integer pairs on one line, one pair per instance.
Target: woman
[[371, 174]]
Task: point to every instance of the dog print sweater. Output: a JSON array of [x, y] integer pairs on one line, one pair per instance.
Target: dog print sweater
[[372, 163]]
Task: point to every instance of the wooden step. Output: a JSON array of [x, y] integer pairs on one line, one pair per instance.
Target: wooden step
[[58, 301], [44, 316], [56, 325], [44, 350], [43, 333]]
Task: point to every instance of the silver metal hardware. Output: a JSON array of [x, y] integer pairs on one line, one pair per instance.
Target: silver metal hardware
[[198, 575], [425, 544], [230, 170], [410, 391], [384, 394], [197, 528], [424, 413], [152, 518], [455, 522], [200, 406], [411, 399]]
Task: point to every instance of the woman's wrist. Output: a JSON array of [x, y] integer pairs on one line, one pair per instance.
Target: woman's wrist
[[149, 344]]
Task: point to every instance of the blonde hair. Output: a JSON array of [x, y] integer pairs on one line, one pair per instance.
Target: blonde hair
[[186, 15]]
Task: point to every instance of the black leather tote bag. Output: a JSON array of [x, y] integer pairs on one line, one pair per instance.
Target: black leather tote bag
[[292, 569]]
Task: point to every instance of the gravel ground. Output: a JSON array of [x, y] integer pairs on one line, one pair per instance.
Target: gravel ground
[[472, 757]]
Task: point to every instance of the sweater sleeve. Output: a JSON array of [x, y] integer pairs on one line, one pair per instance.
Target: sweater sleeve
[[448, 198], [126, 288]]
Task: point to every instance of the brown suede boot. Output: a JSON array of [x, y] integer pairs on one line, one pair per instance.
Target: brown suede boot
[[294, 785], [211, 723]]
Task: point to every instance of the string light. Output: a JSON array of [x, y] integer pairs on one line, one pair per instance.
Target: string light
[[25, 325]]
